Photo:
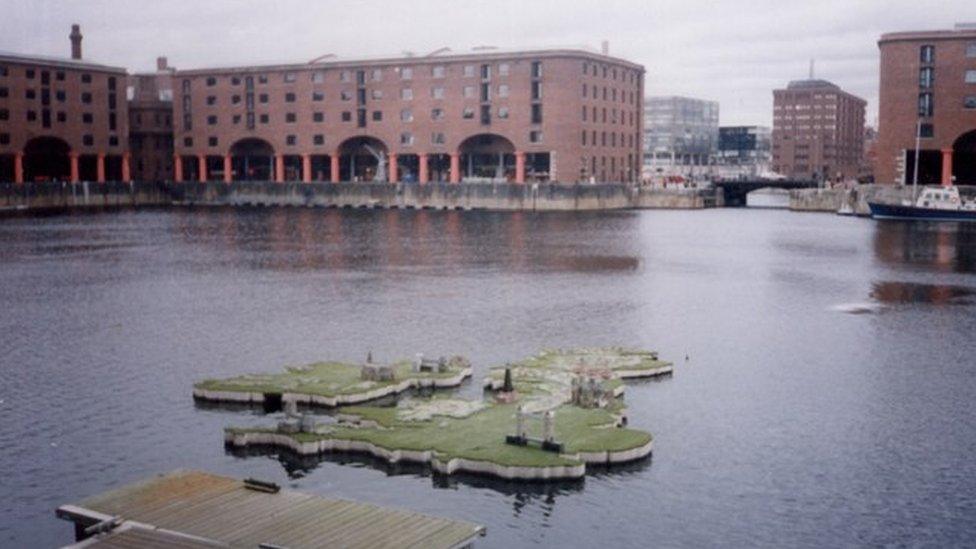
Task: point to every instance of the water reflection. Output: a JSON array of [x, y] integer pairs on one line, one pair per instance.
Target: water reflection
[[898, 293], [943, 246]]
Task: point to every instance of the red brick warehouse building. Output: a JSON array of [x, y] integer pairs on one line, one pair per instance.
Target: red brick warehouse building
[[62, 119], [550, 115], [928, 86]]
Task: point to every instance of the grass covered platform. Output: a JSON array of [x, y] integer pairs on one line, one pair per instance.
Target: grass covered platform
[[453, 434], [328, 383]]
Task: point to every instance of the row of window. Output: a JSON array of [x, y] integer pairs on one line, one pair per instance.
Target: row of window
[[60, 116], [626, 140], [593, 69], [406, 115], [626, 118], [59, 76], [625, 95], [88, 140], [406, 139], [376, 74], [468, 92]]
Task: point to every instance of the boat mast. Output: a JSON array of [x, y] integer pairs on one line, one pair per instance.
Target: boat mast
[[918, 144]]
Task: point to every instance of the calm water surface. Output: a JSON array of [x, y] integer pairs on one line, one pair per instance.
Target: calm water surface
[[827, 398]]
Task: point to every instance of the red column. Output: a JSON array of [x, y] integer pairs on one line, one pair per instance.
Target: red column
[[519, 167], [334, 165], [946, 167], [228, 169], [177, 168], [101, 168], [279, 168], [423, 176], [306, 168], [18, 167], [202, 165], [455, 167], [75, 177], [126, 172], [392, 177]]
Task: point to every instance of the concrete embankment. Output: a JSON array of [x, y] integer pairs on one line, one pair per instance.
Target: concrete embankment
[[855, 199], [465, 196], [55, 196]]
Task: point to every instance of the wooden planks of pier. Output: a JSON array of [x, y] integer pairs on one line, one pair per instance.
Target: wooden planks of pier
[[196, 509]]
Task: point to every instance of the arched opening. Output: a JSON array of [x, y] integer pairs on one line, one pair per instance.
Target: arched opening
[[487, 156], [252, 159], [964, 159], [46, 159], [363, 158]]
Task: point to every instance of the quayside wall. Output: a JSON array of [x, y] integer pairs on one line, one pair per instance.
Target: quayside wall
[[856, 198], [55, 196]]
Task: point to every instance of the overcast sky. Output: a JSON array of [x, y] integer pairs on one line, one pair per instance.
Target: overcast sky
[[734, 52]]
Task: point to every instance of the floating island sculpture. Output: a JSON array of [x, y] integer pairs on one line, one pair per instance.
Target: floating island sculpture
[[545, 417], [332, 384]]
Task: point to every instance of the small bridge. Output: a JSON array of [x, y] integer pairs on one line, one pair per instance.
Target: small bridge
[[735, 191]]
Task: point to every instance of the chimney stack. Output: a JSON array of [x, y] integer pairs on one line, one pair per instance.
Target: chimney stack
[[605, 47], [162, 64], [75, 37]]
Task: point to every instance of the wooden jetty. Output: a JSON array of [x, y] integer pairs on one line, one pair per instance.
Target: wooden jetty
[[195, 509]]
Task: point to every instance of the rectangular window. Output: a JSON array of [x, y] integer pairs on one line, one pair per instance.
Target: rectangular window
[[361, 78], [485, 91], [249, 83], [86, 79], [212, 141], [4, 138], [250, 120], [469, 92], [318, 117], [211, 81], [291, 140], [486, 115], [437, 114], [112, 121], [318, 96], [503, 90], [969, 102], [485, 72], [212, 120], [4, 71], [235, 80], [925, 77], [406, 138], [4, 114], [235, 99], [361, 118], [406, 115], [318, 77], [971, 49], [345, 95], [263, 98], [536, 113], [344, 76], [503, 69], [537, 90], [211, 100], [376, 94], [236, 119], [346, 116], [31, 94], [926, 130], [291, 117], [502, 112], [438, 71], [289, 77], [406, 73], [406, 94], [469, 71], [264, 119], [927, 54], [262, 79], [971, 76], [377, 116], [437, 138], [584, 138], [468, 112], [535, 136], [537, 69], [437, 92], [289, 97], [318, 139], [89, 140]]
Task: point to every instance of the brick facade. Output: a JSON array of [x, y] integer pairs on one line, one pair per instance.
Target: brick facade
[[818, 132], [928, 88], [562, 115]]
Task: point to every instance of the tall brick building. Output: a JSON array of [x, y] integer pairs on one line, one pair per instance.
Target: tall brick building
[[928, 86], [62, 119], [818, 131], [561, 115], [150, 98]]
